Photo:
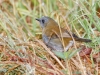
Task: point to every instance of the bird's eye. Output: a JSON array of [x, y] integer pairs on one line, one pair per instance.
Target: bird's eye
[[43, 21]]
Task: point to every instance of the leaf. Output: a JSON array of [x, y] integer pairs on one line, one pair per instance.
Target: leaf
[[85, 51], [72, 53], [65, 55], [60, 54]]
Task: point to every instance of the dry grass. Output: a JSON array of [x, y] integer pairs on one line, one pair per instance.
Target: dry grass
[[23, 53]]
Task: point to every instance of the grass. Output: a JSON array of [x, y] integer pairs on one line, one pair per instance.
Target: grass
[[23, 53]]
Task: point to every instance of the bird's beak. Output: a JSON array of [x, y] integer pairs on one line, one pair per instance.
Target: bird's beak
[[37, 19]]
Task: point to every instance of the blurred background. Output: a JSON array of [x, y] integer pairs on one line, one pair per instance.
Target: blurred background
[[20, 36]]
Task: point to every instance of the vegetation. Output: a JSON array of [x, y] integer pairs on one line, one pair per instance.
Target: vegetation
[[22, 52]]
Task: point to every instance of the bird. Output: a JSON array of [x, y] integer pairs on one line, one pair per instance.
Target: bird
[[56, 38]]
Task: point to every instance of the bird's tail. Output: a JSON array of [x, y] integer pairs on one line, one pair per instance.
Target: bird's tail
[[82, 40]]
